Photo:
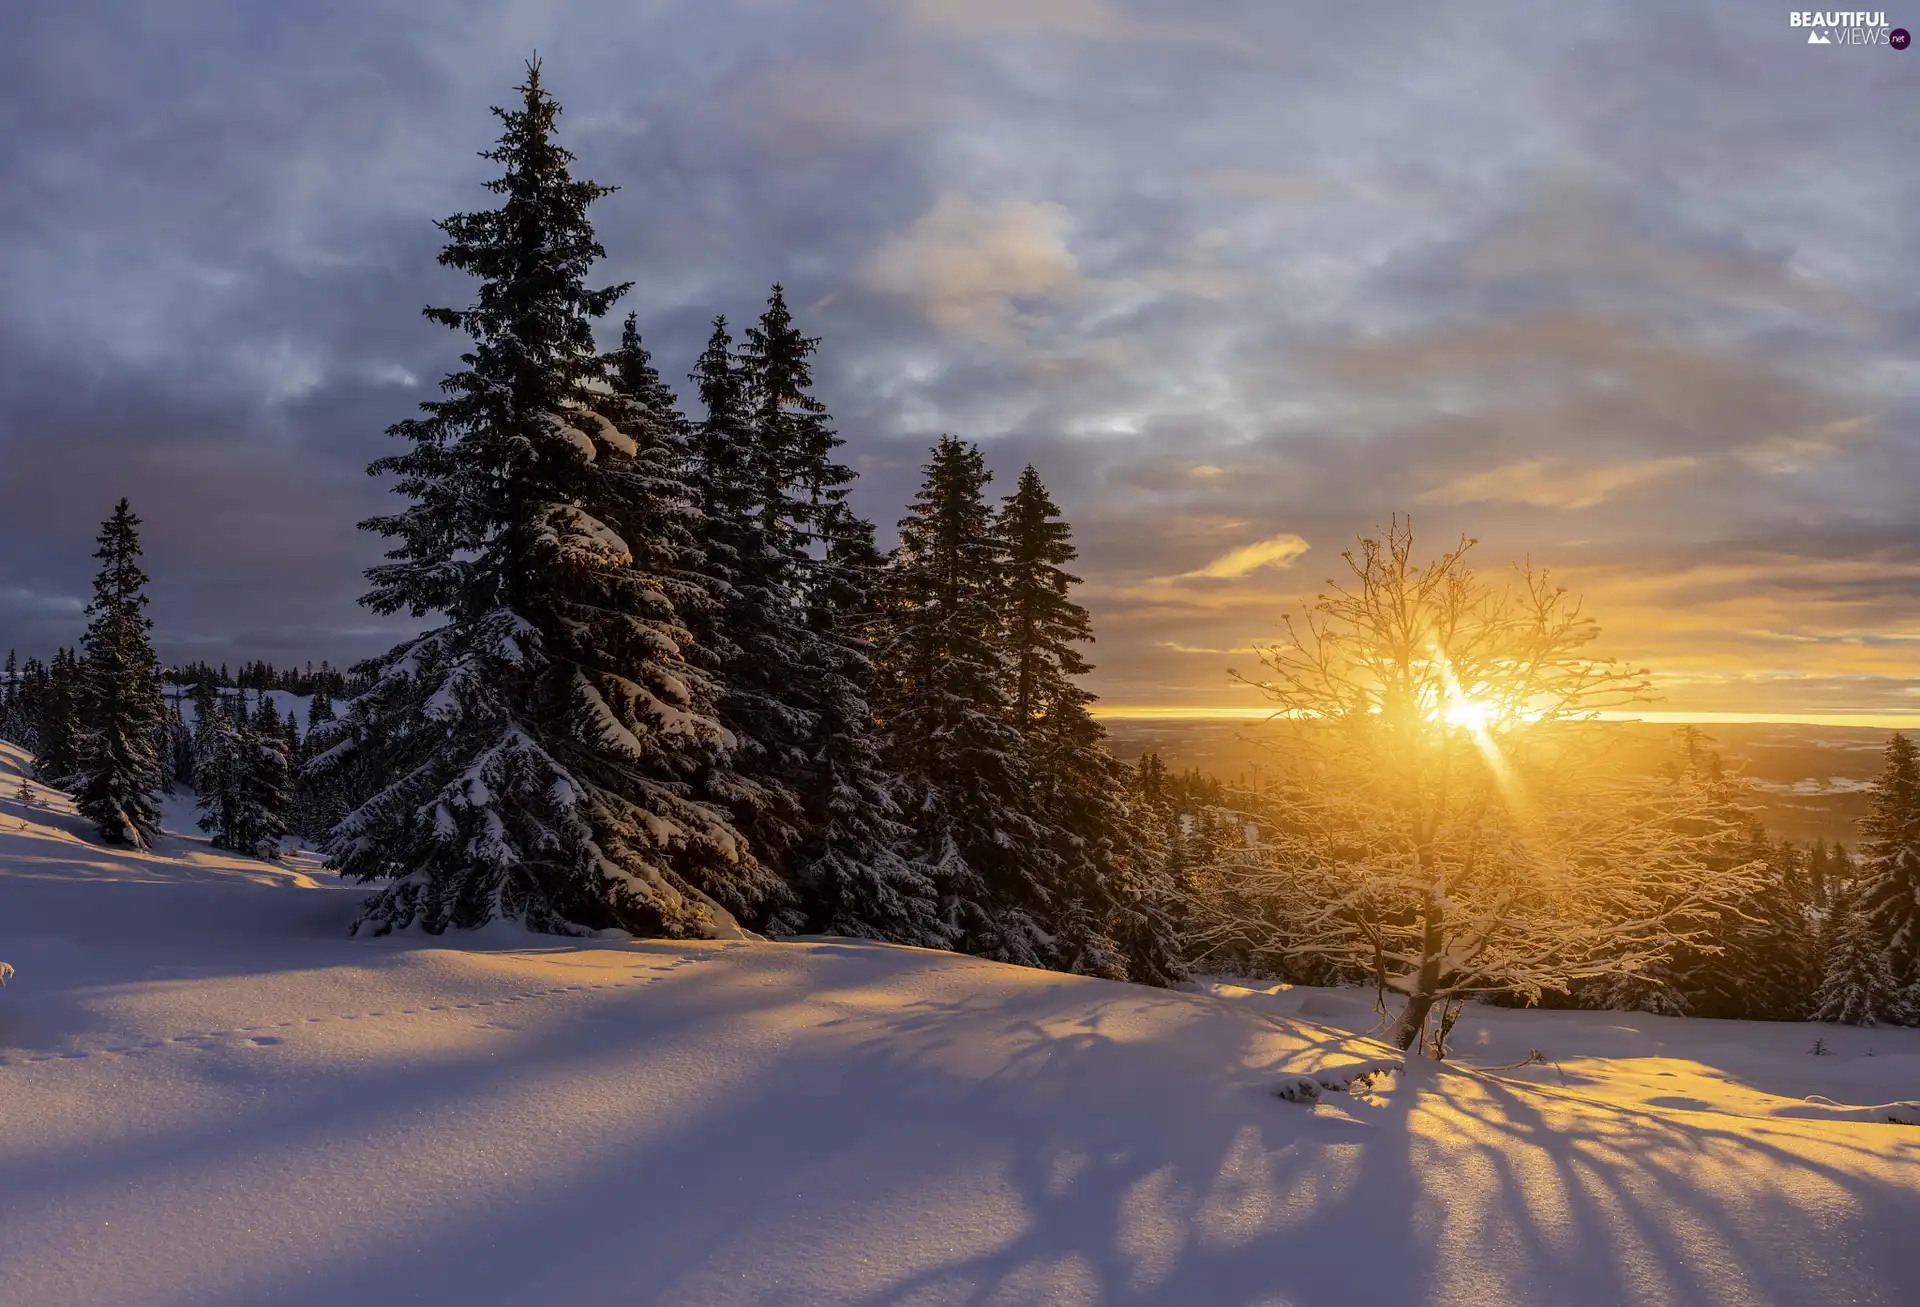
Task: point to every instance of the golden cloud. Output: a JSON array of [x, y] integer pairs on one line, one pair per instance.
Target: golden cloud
[[1275, 551], [1550, 483]]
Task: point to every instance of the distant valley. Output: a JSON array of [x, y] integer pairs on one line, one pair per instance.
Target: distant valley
[[1810, 781]]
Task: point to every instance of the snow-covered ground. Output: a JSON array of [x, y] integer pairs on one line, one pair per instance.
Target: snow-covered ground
[[210, 1095]]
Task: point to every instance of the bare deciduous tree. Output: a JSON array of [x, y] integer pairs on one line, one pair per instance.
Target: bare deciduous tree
[[1446, 818]]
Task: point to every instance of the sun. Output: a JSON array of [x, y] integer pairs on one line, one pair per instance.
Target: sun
[[1470, 714]]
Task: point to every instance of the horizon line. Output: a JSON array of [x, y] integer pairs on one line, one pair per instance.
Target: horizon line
[[1889, 720]]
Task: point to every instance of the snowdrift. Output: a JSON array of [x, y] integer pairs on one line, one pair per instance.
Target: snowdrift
[[212, 1095]]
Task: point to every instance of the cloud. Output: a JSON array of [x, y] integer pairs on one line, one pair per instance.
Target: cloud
[[17, 600], [1066, 228], [1094, 20], [1795, 451], [969, 266], [1275, 551], [1574, 233], [1263, 184], [1550, 483], [1177, 647]]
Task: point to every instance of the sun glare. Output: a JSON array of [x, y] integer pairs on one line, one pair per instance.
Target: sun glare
[[1469, 714]]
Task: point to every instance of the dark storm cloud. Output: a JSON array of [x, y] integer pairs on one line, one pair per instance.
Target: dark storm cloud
[[1628, 288]]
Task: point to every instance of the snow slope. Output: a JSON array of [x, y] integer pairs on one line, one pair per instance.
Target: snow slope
[[210, 1095], [1746, 1068]]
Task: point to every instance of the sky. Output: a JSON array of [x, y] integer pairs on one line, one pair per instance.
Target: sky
[[1632, 290]]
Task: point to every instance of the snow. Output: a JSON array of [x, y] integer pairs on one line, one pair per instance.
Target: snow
[[213, 1095], [1672, 1064]]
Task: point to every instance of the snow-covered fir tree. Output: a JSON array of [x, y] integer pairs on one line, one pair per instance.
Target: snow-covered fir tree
[[1858, 986], [950, 719], [12, 724], [177, 749], [854, 871], [242, 778], [774, 497], [320, 707], [533, 751], [1115, 904], [220, 755], [747, 632], [659, 512], [1889, 873], [119, 711], [317, 801], [264, 781], [56, 724], [1681, 981], [1762, 964]]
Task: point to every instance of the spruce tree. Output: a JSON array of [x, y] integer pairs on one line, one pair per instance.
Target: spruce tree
[[1694, 980], [748, 630], [263, 781], [533, 752], [950, 719], [177, 751], [1766, 968], [56, 726], [855, 873], [120, 713], [1043, 624], [220, 768], [1858, 986], [319, 707], [10, 724], [1116, 904], [1817, 878], [1889, 874], [791, 569]]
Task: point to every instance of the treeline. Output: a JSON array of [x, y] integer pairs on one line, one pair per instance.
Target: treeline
[[1820, 934], [263, 675], [100, 720]]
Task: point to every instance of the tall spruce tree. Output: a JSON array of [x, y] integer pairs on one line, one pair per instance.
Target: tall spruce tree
[[750, 628], [1115, 904], [1889, 874], [119, 710], [785, 557], [950, 720], [854, 872], [534, 750]]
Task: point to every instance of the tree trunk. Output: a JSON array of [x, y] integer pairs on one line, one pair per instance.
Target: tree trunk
[[1413, 1019]]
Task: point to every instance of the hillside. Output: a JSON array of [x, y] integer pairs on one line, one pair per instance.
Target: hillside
[[214, 1096]]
